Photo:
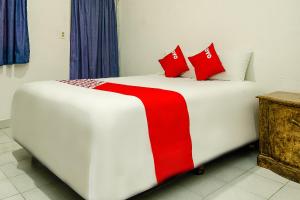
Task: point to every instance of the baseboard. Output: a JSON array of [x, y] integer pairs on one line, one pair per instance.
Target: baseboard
[[4, 123]]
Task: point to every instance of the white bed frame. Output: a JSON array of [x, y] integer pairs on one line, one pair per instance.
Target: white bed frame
[[97, 142]]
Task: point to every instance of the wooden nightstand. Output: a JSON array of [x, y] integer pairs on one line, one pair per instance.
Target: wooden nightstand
[[279, 134]]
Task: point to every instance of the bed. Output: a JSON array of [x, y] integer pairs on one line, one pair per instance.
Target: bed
[[97, 141]]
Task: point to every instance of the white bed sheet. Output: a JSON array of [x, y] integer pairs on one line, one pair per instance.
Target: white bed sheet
[[97, 142]]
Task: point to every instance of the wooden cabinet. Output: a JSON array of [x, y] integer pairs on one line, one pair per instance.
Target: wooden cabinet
[[279, 134]]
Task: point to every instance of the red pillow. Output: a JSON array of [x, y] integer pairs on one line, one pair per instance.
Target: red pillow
[[174, 63], [207, 63]]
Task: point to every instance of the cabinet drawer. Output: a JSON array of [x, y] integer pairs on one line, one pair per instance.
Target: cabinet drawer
[[284, 130]]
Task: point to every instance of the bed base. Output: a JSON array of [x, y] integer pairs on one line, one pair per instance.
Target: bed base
[[199, 170], [36, 163]]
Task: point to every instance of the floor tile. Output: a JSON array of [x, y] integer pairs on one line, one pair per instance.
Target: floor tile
[[9, 146], [269, 174], [16, 197], [2, 131], [26, 182], [232, 193], [2, 176], [37, 194], [52, 192], [4, 138], [7, 131], [7, 189], [170, 192], [244, 162], [232, 177], [14, 156], [294, 184], [201, 185], [287, 193], [258, 185], [223, 172], [17, 168]]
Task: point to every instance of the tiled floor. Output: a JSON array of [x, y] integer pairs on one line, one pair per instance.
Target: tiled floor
[[232, 177]]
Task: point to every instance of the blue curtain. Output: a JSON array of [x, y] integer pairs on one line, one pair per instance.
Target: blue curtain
[[14, 40], [94, 41]]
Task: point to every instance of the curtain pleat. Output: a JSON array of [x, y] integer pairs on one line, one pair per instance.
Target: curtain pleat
[[14, 37], [94, 41]]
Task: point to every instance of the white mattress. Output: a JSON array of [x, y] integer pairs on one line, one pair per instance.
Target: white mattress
[[98, 143]]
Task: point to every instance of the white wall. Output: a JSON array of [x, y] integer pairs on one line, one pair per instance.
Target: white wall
[[49, 53], [270, 28]]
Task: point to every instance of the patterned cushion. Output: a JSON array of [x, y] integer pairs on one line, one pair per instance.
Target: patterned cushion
[[86, 83]]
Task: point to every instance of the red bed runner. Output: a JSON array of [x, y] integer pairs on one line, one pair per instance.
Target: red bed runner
[[168, 126]]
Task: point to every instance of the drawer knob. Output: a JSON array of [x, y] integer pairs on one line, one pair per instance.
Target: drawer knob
[[295, 122]]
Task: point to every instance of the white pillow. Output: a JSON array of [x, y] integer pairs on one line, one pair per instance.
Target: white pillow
[[191, 73], [235, 64]]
